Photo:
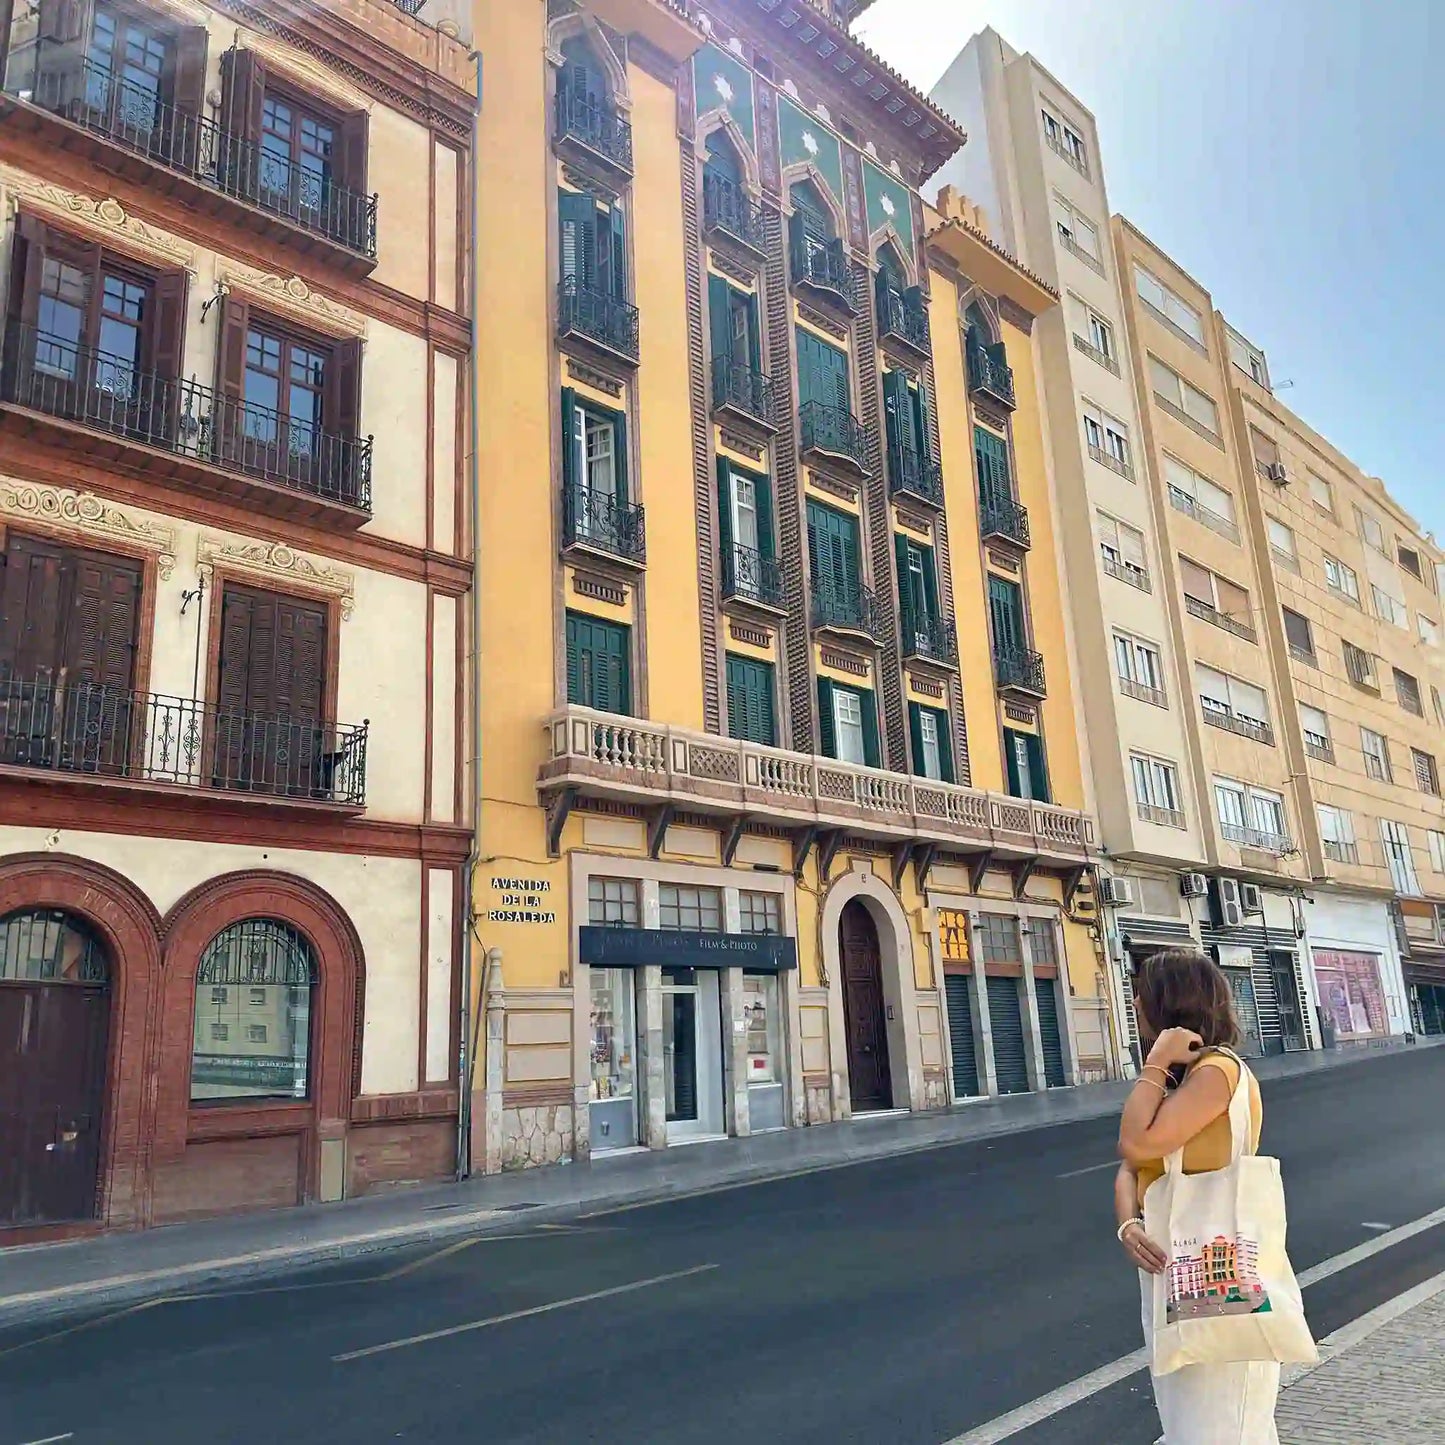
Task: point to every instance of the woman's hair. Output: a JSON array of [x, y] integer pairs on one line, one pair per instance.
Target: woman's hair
[[1183, 988]]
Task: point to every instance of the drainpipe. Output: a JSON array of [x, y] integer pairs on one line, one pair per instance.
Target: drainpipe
[[467, 1050]]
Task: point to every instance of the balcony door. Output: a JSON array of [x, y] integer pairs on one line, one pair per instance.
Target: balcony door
[[833, 562], [68, 629], [1006, 610], [995, 488], [822, 373], [268, 728]]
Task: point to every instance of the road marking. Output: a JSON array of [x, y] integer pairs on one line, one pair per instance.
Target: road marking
[[1374, 1224], [52, 1439], [486, 1324], [1092, 1169], [1056, 1401]]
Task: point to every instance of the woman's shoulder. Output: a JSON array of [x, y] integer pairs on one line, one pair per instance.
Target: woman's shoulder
[[1224, 1060]]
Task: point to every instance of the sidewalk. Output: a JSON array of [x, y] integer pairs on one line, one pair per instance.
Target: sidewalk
[[50, 1279], [1379, 1378]]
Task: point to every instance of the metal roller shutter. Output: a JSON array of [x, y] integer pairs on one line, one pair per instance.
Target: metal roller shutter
[[1048, 997], [1006, 1023], [1241, 984], [959, 990], [1266, 1002]]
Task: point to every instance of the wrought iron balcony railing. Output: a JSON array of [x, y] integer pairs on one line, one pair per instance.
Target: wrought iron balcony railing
[[596, 126], [106, 393], [989, 373], [741, 389], [917, 475], [834, 431], [728, 208], [132, 116], [597, 519], [821, 263], [1002, 518], [751, 576], [934, 639], [141, 737], [902, 314], [847, 609], [602, 318], [1020, 669]]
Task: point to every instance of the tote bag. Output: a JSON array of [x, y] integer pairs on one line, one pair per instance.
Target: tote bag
[[1228, 1293]]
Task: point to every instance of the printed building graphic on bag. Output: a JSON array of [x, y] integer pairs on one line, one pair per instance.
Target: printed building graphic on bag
[[1220, 1277]]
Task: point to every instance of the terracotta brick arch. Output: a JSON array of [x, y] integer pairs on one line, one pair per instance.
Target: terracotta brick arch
[[129, 925], [340, 992]]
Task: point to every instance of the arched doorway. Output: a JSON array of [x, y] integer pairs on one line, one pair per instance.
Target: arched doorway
[[55, 978], [865, 1018]]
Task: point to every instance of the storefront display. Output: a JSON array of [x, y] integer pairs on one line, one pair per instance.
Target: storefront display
[[1352, 1001], [614, 1052]]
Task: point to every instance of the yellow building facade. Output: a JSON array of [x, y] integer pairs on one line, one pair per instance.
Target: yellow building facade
[[782, 818]]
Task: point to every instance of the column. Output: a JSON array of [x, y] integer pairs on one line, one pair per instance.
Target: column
[[736, 1117], [651, 1076]]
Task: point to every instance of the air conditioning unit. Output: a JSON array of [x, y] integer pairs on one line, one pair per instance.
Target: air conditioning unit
[[1193, 885], [1228, 907], [1250, 898], [1276, 472], [1116, 892]]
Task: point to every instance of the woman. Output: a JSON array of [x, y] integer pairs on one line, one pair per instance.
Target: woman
[[1181, 1100]]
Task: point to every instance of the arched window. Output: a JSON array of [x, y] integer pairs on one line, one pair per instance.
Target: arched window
[[808, 203], [980, 332], [817, 252], [583, 79], [47, 945], [723, 160], [252, 1037], [891, 264]]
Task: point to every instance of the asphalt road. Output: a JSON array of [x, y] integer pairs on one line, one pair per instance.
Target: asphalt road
[[899, 1302]]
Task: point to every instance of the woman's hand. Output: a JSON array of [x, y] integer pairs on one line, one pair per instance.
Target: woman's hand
[[1142, 1250], [1175, 1046]]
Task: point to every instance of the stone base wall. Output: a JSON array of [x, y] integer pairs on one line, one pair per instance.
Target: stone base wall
[[935, 1091], [534, 1134], [820, 1101]]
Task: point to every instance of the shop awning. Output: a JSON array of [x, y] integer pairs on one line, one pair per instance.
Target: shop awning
[[600, 947]]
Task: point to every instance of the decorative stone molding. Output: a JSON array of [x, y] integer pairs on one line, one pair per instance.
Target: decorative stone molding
[[927, 686], [575, 21], [1017, 712], [603, 589], [290, 294], [184, 12], [590, 376], [753, 636], [823, 322], [310, 74], [89, 515], [106, 218], [845, 662], [1002, 561], [835, 487], [741, 444], [914, 521], [990, 416], [275, 562], [720, 260]]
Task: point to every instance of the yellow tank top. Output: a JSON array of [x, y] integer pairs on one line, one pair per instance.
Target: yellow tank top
[[1209, 1148]]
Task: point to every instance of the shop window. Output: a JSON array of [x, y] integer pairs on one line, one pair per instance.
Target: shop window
[[1043, 944], [764, 1028], [269, 957], [612, 902], [760, 912], [613, 1054], [693, 910]]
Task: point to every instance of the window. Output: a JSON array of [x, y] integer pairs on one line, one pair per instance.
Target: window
[[1316, 728], [1140, 667], [1399, 856], [595, 497], [1371, 533], [905, 418], [1360, 666], [1439, 704], [1248, 358], [1100, 336], [612, 903], [1282, 544], [1337, 833], [1064, 139], [599, 664], [760, 912], [1407, 692], [1078, 234], [1320, 493], [1156, 790], [1251, 817], [257, 999], [1409, 559], [1437, 850], [1198, 497], [1427, 779], [833, 564], [593, 240], [692, 910], [1299, 636], [1229, 699], [1388, 608], [1215, 599], [129, 70], [1429, 630], [848, 722], [1024, 759], [1122, 548], [1264, 448], [1108, 440], [1175, 312], [296, 158], [917, 592], [271, 1059], [1341, 579], [848, 726], [1376, 750], [220, 995], [997, 938], [995, 476], [932, 742], [745, 525], [1186, 401], [751, 716]]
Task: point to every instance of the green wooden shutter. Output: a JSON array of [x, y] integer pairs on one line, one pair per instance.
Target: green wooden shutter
[[571, 462], [750, 700], [577, 215], [900, 555], [1005, 603], [992, 456], [767, 544], [850, 571], [1010, 747], [945, 745], [598, 664], [617, 270], [717, 315], [930, 582], [920, 419], [725, 511], [827, 741], [821, 570], [809, 370], [619, 457], [895, 400], [915, 736], [842, 393], [755, 345], [869, 708], [1036, 768]]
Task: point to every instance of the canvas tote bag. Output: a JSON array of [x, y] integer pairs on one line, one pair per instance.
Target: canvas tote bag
[[1228, 1293]]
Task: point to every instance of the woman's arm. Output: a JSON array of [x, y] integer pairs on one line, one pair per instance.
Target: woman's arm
[[1142, 1250], [1155, 1124]]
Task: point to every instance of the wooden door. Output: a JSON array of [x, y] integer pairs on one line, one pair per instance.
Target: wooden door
[[864, 1014]]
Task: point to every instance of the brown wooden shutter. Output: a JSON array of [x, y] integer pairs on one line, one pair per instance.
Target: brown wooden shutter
[[343, 389], [61, 20], [30, 624], [168, 323], [227, 421], [243, 90], [26, 258], [299, 683], [100, 631], [230, 728], [351, 151], [188, 73]]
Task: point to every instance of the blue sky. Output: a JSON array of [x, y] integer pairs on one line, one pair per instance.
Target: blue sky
[[1290, 155]]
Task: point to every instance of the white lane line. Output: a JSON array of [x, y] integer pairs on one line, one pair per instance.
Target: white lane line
[[52, 1439], [1092, 1169], [560, 1304], [1047, 1406], [1374, 1224]]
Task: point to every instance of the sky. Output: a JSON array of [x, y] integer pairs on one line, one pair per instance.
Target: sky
[[1289, 155]]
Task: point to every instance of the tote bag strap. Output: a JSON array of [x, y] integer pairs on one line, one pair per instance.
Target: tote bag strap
[[1240, 1133]]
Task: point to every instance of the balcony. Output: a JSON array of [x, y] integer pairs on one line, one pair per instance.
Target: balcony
[[744, 392], [115, 737], [627, 760], [910, 474], [591, 130], [182, 432], [1181, 501], [1253, 728], [1098, 357], [821, 264], [989, 374], [1164, 817], [749, 576], [1130, 572], [1207, 613], [728, 211], [1322, 750], [1003, 520], [1060, 149], [927, 638], [597, 317], [852, 610], [1114, 463], [1266, 842], [1305, 655], [1021, 670], [902, 316], [122, 128], [832, 432], [1142, 692], [598, 522]]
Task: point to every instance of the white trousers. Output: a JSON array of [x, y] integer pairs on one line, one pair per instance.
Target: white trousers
[[1212, 1404]]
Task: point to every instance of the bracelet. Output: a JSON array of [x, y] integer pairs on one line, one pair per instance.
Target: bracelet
[[1145, 1069], [1162, 1089], [1119, 1233]]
